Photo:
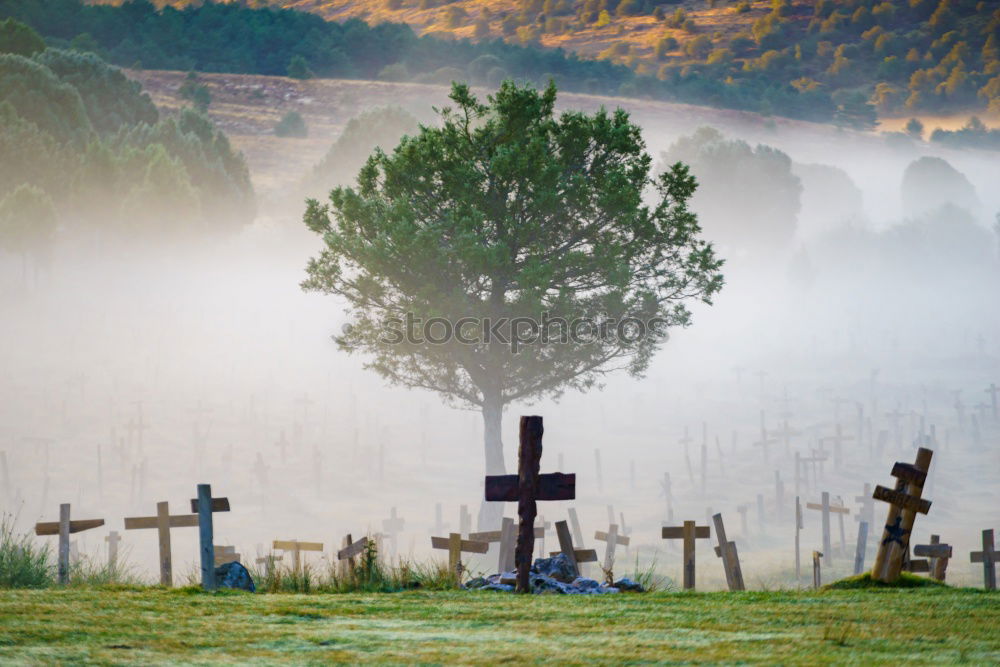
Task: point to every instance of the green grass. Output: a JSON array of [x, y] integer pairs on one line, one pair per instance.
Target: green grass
[[861, 581], [152, 625]]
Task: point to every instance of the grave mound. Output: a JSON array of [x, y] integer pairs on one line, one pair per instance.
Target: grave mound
[[865, 580]]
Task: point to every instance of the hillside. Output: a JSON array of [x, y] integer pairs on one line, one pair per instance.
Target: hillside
[[924, 56], [843, 61]]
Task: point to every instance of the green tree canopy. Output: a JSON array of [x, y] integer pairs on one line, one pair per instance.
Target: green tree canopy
[[19, 39], [507, 210]]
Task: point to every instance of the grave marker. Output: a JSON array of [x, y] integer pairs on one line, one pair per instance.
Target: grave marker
[[163, 522], [689, 532], [826, 508], [113, 538], [64, 528], [575, 556], [905, 502], [817, 580], [225, 554], [939, 555], [612, 539], [204, 505], [456, 546], [861, 547], [296, 548], [392, 527], [867, 511], [799, 525], [988, 557], [730, 558], [527, 487]]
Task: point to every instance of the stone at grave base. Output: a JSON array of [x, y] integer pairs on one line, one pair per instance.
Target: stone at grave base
[[585, 584], [497, 587], [234, 575], [541, 584], [626, 584], [558, 567], [478, 582]]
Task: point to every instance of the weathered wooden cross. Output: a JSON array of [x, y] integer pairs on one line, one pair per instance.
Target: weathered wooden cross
[[392, 527], [799, 525], [163, 522], [826, 508], [988, 557], [613, 539], [64, 528], [688, 532], [507, 539], [204, 506], [349, 552], [456, 546], [113, 538], [296, 548], [575, 556], [730, 558], [938, 553], [527, 487], [861, 547], [817, 578], [904, 504]]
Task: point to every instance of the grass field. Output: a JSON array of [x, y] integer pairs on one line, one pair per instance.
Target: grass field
[[146, 626]]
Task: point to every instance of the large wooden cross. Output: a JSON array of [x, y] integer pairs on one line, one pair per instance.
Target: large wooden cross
[[688, 532], [988, 557], [64, 528], [527, 487], [904, 504], [163, 522], [204, 506]]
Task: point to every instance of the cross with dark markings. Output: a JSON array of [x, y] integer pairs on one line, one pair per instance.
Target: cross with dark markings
[[688, 532], [526, 488], [904, 505]]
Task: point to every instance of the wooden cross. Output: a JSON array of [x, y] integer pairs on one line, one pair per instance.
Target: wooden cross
[[541, 527], [730, 558], [867, 511], [456, 546], [506, 537], [392, 527], [527, 487], [668, 495], [765, 441], [575, 556], [113, 538], [268, 562], [350, 550], [826, 508], [988, 557], [613, 539], [64, 528], [939, 555], [838, 439], [163, 522], [861, 547], [817, 579], [204, 505], [799, 525], [439, 525], [688, 532], [904, 504], [225, 554], [296, 548], [785, 434]]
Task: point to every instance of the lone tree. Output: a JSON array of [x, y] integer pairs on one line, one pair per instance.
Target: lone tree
[[509, 211]]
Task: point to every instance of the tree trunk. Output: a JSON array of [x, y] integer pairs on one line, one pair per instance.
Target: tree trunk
[[491, 514]]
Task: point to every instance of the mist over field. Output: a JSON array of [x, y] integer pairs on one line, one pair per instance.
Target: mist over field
[[847, 296]]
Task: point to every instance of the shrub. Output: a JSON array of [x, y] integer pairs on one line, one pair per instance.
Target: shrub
[[291, 125], [22, 564]]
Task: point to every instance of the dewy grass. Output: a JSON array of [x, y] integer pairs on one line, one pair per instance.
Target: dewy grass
[[23, 564], [154, 626]]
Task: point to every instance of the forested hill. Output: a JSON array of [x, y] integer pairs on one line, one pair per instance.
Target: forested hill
[[843, 60]]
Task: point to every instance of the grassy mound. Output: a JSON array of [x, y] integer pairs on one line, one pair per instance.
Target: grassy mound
[[906, 580]]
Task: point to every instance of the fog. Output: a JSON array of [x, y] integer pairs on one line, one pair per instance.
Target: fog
[[223, 355]]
